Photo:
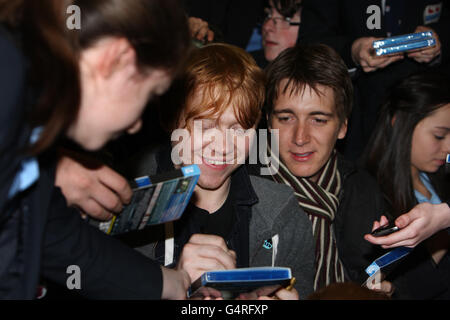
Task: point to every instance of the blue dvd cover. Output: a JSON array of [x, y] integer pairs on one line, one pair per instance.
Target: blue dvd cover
[[405, 47], [419, 36], [230, 283], [156, 199]]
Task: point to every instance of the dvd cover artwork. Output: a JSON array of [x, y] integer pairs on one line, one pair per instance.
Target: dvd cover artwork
[[155, 200]]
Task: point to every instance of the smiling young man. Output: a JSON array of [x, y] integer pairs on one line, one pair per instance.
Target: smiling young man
[[309, 99], [233, 219]]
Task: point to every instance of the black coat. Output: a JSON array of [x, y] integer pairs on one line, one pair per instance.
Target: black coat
[[39, 234]]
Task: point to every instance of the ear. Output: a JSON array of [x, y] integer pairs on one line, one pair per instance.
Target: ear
[[343, 129], [115, 54], [393, 120]]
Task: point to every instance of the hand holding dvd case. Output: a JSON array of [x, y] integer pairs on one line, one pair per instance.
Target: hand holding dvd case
[[228, 284], [156, 199]]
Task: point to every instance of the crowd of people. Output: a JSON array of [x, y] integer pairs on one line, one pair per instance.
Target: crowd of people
[[354, 142]]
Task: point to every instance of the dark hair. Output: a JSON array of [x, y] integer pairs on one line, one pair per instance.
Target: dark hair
[[157, 30], [287, 8], [310, 65], [388, 157]]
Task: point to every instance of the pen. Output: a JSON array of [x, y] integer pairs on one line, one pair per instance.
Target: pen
[[291, 284]]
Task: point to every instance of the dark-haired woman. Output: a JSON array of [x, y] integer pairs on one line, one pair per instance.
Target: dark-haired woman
[[90, 85], [407, 156]]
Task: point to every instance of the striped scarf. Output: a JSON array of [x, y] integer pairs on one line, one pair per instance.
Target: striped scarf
[[320, 202]]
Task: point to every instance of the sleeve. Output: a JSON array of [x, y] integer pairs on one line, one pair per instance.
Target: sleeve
[[322, 22], [442, 28], [298, 249], [108, 268], [448, 203], [12, 135], [361, 205]]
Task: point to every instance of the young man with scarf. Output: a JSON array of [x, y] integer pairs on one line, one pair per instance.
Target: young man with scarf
[[309, 100]]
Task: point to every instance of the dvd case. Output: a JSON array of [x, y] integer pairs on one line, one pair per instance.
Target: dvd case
[[419, 36], [156, 199], [230, 283], [402, 43]]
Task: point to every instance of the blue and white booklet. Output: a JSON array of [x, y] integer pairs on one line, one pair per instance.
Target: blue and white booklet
[[229, 284], [156, 199]]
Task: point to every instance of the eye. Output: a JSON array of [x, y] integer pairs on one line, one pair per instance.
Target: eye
[[284, 118], [438, 137], [320, 121], [239, 131]]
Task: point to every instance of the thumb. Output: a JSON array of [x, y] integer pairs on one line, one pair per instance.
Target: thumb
[[403, 220]]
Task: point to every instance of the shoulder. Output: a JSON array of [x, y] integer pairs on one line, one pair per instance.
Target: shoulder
[[277, 204], [355, 177], [12, 79], [270, 192]]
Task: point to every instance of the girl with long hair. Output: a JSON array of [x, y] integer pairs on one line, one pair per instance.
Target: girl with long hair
[[407, 156]]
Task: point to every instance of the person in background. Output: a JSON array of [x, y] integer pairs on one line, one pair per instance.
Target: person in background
[[407, 155], [350, 27], [90, 85], [279, 29]]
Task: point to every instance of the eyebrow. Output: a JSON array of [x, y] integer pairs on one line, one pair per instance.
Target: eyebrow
[[443, 128], [314, 113]]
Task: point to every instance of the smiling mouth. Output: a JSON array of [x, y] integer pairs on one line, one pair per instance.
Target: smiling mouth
[[302, 156], [216, 164]]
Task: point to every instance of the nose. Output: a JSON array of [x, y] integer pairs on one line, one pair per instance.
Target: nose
[[301, 135], [135, 128], [268, 25], [447, 144], [222, 143]]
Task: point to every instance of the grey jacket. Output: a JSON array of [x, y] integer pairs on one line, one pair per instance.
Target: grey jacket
[[276, 215]]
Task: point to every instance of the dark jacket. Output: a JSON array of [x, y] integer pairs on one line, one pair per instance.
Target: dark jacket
[[271, 212], [361, 203], [39, 234]]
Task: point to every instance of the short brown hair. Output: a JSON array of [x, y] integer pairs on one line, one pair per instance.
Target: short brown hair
[[310, 65], [226, 75]]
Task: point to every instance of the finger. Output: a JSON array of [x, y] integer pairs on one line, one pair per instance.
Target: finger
[[193, 251], [96, 211], [399, 238], [209, 239], [284, 294], [384, 221], [106, 198], [198, 266], [115, 182], [376, 225], [210, 35], [403, 221], [225, 260]]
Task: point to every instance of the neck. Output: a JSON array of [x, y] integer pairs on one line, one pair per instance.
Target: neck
[[212, 200], [418, 184]]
